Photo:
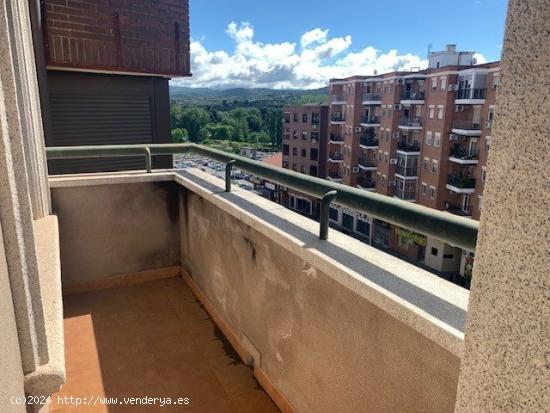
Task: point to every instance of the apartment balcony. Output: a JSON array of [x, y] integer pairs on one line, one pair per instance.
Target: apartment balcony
[[334, 176], [412, 123], [336, 139], [467, 127], [408, 148], [335, 157], [370, 122], [367, 164], [412, 98], [368, 142], [366, 183], [338, 99], [463, 156], [459, 210], [470, 96], [337, 119], [371, 99], [406, 172], [405, 195], [461, 184]]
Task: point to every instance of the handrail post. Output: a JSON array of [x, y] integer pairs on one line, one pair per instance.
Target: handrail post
[[325, 210], [228, 168], [148, 163]]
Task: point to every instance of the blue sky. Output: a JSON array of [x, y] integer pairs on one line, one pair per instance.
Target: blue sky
[[303, 43]]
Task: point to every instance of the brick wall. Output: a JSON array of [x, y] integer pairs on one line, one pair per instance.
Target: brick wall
[[147, 36]]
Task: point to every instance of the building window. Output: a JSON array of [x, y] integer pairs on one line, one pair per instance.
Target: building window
[[431, 112], [487, 142], [443, 83], [285, 149], [434, 84], [304, 136], [434, 251], [440, 111], [363, 227], [435, 166], [304, 153], [313, 170], [426, 163], [428, 137], [295, 117], [302, 169], [294, 134], [295, 151], [424, 188], [304, 118], [480, 203], [483, 173], [315, 118], [333, 214], [432, 191], [437, 139], [314, 154]]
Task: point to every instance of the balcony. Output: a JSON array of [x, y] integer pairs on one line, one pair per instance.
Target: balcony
[[367, 164], [173, 284], [407, 171], [412, 98], [368, 142], [412, 123], [467, 127], [338, 99], [461, 184], [366, 183], [463, 156], [459, 210], [336, 139], [371, 99], [335, 157], [408, 148], [370, 122], [334, 176], [337, 119], [470, 96], [406, 195]]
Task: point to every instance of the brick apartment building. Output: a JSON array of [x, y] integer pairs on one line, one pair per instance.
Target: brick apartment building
[[103, 71], [305, 130], [421, 136]]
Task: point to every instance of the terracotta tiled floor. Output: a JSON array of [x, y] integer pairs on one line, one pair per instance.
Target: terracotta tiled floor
[[155, 340]]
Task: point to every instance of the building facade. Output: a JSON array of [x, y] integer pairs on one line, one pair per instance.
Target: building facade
[[305, 132], [421, 136]]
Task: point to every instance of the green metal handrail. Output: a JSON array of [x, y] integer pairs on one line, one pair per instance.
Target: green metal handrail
[[454, 230]]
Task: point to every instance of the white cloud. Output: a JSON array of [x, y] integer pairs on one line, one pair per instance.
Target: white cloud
[[313, 36], [480, 59], [282, 65]]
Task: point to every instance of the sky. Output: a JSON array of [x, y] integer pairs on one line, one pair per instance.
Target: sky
[[303, 43]]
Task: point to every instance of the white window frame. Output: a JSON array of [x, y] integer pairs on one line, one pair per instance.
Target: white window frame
[[432, 191], [440, 112], [437, 139], [443, 82], [429, 137], [424, 189], [435, 166], [431, 111]]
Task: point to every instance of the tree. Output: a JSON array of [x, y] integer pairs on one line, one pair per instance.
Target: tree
[[194, 119], [179, 135]]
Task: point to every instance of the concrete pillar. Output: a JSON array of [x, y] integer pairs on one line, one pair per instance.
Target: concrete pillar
[[506, 361]]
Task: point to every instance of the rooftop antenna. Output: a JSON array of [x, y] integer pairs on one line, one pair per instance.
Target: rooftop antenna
[[429, 48]]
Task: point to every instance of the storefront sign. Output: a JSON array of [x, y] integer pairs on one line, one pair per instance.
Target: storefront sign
[[417, 238]]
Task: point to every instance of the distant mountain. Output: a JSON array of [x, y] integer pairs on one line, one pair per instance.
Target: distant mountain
[[253, 97]]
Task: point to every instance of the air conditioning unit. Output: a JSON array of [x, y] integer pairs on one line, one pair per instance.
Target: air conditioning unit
[[391, 183], [453, 137], [459, 108], [496, 81], [453, 87], [489, 124], [395, 135], [397, 106], [355, 169], [476, 125], [358, 129], [393, 161], [399, 81]]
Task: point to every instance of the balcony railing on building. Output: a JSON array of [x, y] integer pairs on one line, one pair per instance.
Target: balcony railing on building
[[405, 194], [370, 120], [467, 124], [335, 156], [410, 122], [469, 93], [336, 139], [371, 97], [461, 181], [412, 95], [408, 146], [337, 117], [335, 176], [365, 182], [463, 153], [368, 141], [459, 209], [409, 171], [366, 163]]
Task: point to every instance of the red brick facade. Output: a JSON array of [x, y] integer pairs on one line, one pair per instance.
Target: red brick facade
[[132, 36]]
